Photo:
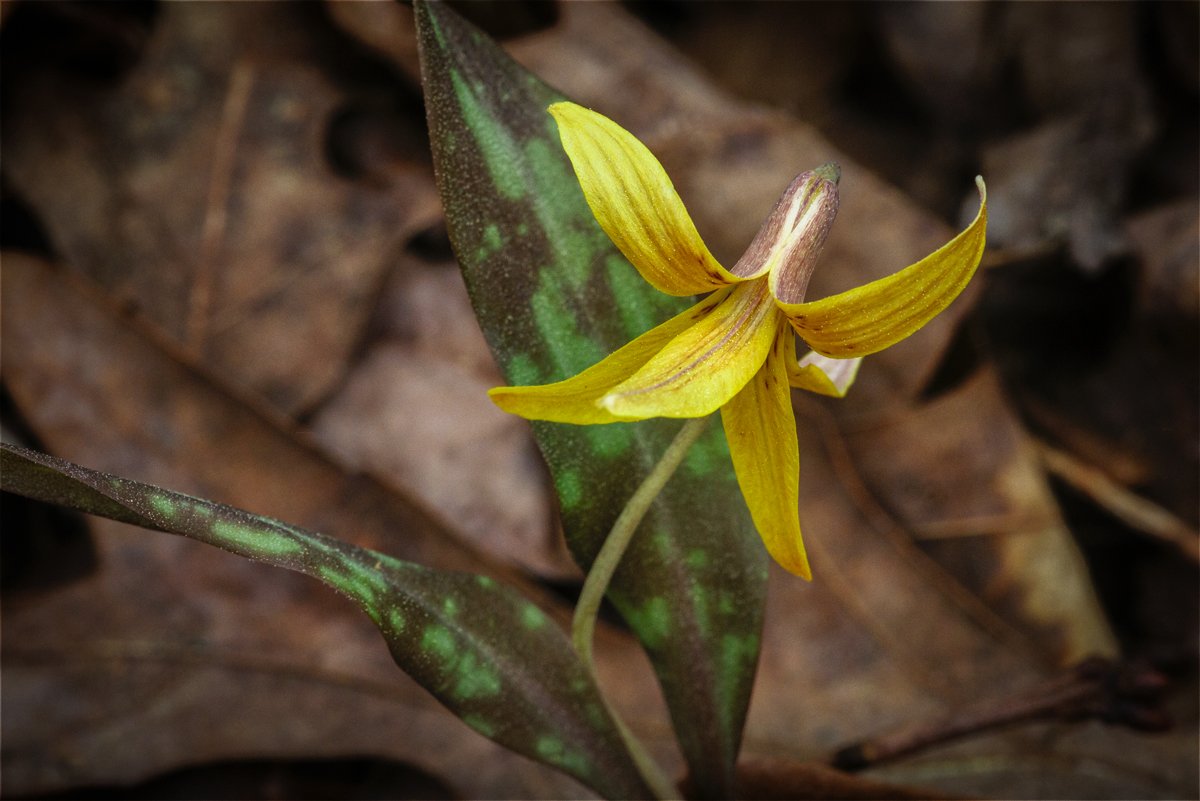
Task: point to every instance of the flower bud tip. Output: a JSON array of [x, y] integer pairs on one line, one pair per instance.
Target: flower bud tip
[[830, 171]]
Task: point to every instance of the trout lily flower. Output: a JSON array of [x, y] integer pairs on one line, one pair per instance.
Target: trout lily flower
[[735, 350]]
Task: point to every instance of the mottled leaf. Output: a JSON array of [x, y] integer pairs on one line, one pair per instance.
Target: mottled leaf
[[492, 657], [553, 296]]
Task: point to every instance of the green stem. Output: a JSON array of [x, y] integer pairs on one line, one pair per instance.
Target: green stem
[[583, 625]]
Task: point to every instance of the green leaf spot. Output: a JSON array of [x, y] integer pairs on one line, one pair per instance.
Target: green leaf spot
[[709, 455], [697, 558], [552, 749], [532, 617], [370, 579], [570, 350], [480, 724], [492, 240], [499, 152], [163, 505], [472, 678], [700, 598], [610, 440], [475, 679], [573, 248], [523, 370], [255, 540], [491, 236], [450, 607], [438, 641], [350, 584], [725, 604], [596, 714], [737, 656], [639, 312], [570, 488], [396, 620], [652, 621], [663, 543]]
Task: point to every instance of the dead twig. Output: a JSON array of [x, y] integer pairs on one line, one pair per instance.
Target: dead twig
[[212, 233], [1113, 692], [1138, 513]]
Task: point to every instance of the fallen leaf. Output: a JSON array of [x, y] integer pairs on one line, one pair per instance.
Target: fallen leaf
[[425, 423], [152, 416], [387, 28], [992, 521], [198, 190], [1167, 242]]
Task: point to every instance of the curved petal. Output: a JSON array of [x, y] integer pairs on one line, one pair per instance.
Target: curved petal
[[761, 429], [706, 364], [636, 204], [575, 400], [816, 373], [874, 316]]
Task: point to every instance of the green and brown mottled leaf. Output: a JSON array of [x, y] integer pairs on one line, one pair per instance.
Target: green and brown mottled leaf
[[490, 656], [554, 296]]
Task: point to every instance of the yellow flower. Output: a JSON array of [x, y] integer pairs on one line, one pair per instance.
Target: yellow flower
[[735, 350]]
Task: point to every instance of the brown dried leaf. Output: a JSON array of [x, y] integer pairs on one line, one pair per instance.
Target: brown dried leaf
[[1065, 180], [425, 423], [1105, 369], [991, 520], [918, 39], [1167, 243], [386, 28], [1063, 74], [414, 412], [197, 188], [107, 393]]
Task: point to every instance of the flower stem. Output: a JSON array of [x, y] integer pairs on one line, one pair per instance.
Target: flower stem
[[583, 624]]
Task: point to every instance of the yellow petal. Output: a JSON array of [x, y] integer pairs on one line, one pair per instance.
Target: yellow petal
[[877, 315], [636, 204], [761, 430], [575, 399], [705, 365], [816, 373]]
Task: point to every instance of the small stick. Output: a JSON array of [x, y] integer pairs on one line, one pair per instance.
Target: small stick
[[1133, 510], [1116, 693], [212, 233]]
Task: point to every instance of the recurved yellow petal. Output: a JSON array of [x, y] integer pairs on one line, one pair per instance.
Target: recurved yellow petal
[[575, 399], [874, 316], [707, 363], [820, 374], [636, 204], [761, 430]]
